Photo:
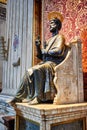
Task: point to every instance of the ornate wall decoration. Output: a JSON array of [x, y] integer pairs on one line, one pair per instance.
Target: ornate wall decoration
[[81, 21], [75, 17]]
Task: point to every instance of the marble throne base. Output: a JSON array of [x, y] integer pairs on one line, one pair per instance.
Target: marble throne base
[[51, 117]]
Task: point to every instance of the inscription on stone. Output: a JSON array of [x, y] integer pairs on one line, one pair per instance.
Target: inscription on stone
[[25, 124], [77, 125]]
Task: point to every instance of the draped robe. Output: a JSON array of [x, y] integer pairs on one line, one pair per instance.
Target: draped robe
[[38, 80]]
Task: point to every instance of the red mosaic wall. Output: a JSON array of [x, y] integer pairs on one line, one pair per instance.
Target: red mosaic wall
[[74, 24]]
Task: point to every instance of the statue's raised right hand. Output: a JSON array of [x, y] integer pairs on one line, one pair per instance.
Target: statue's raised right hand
[[38, 41]]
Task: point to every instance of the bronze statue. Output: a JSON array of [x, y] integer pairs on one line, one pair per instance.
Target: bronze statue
[[37, 84]]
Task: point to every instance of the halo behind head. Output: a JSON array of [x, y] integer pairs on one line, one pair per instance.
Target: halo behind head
[[53, 15]]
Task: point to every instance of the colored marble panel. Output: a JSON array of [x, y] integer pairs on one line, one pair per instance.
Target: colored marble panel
[[25, 124], [76, 125]]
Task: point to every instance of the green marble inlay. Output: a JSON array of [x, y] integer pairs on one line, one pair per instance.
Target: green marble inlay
[[76, 125], [25, 124]]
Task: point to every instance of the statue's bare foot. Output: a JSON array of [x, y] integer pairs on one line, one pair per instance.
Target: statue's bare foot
[[25, 100], [34, 101]]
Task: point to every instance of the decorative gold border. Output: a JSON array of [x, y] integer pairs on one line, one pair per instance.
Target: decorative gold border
[[17, 124], [34, 37], [3, 1]]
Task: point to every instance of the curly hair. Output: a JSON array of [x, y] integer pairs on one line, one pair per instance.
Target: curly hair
[[58, 23]]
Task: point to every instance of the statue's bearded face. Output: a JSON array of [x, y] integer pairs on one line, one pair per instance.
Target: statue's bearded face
[[53, 26]]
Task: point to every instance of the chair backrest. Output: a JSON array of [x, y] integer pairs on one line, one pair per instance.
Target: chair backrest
[[69, 77]]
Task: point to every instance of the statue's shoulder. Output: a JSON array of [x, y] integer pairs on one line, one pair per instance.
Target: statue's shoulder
[[61, 36], [57, 37], [60, 39], [51, 38]]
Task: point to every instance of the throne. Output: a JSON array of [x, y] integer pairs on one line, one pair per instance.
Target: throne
[[68, 78]]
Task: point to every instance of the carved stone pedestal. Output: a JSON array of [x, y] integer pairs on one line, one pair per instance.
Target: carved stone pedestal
[[51, 117]]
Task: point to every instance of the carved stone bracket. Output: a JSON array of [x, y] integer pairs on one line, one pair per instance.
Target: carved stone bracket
[[15, 64]]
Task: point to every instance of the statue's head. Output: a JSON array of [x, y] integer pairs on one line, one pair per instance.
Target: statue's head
[[55, 19], [55, 24]]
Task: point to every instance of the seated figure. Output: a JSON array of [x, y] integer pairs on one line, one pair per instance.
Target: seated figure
[[37, 84]]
